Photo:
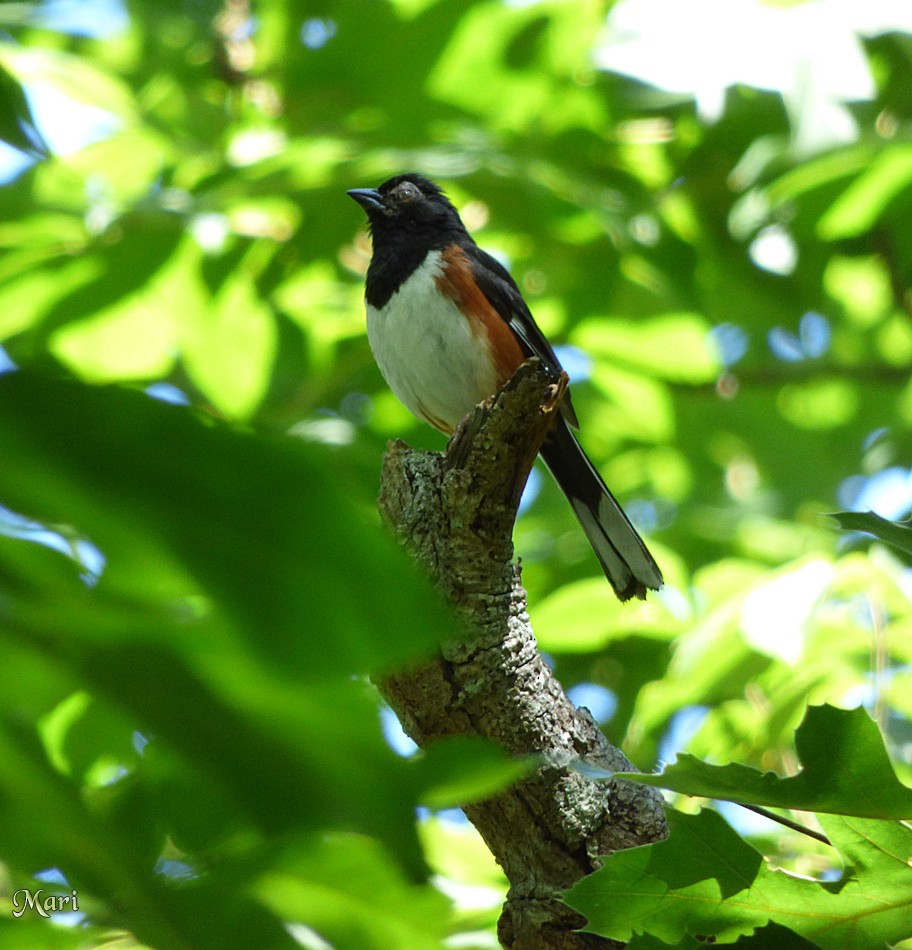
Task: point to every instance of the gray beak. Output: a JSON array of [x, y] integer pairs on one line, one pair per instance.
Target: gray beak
[[369, 198]]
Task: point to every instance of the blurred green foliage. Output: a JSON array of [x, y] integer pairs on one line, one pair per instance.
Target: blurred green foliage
[[191, 599]]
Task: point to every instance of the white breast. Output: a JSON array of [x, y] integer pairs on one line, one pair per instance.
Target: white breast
[[427, 351]]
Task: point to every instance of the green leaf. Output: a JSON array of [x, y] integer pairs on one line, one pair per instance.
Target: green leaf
[[454, 850], [733, 869], [130, 340], [770, 937], [123, 167], [674, 346], [858, 208], [635, 405], [464, 770], [823, 170], [899, 535], [845, 771], [76, 77], [230, 346], [206, 528], [27, 296], [134, 270], [349, 891], [585, 617], [16, 124], [508, 48], [229, 604], [648, 942], [84, 740], [31, 932], [659, 889], [774, 935], [819, 403], [220, 624]]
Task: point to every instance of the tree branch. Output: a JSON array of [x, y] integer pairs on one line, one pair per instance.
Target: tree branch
[[455, 512]]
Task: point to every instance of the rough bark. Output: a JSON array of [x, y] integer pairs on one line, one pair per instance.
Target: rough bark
[[455, 512]]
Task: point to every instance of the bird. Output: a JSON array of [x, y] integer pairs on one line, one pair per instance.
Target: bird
[[448, 326]]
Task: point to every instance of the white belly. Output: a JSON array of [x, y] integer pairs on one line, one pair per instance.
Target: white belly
[[428, 353]]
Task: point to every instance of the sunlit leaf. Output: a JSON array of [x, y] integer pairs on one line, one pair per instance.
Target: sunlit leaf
[[822, 170], [350, 892], [674, 346], [455, 850], [116, 171], [845, 771], [229, 347], [819, 404], [585, 617], [506, 47], [636, 406], [868, 196], [862, 286], [27, 297], [134, 339], [327, 310], [76, 77]]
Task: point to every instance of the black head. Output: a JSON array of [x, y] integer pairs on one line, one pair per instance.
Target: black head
[[410, 205]]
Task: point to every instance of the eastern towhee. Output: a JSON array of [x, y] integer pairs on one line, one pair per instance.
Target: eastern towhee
[[448, 327]]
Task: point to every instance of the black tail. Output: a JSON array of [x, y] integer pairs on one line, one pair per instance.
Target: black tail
[[627, 563]]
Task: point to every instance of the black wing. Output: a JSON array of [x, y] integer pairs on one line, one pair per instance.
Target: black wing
[[624, 557], [501, 290]]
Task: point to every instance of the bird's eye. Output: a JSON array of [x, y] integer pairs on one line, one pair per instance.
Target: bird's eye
[[407, 191]]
